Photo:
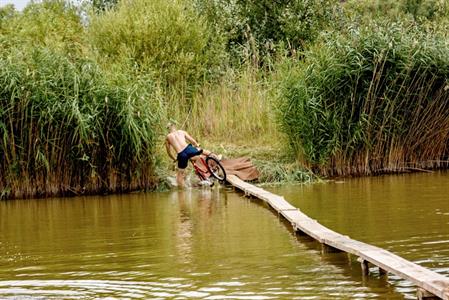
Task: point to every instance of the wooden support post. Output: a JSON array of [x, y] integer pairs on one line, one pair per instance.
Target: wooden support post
[[349, 257], [382, 272], [422, 294], [297, 230], [324, 248], [328, 249], [364, 265]]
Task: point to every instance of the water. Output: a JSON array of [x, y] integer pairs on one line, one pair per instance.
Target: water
[[405, 214], [214, 244]]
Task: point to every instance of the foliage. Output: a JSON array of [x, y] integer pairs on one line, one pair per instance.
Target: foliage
[[66, 126], [372, 98], [418, 10], [54, 24], [165, 38], [7, 12], [102, 5], [254, 28], [272, 172], [69, 125], [84, 89]]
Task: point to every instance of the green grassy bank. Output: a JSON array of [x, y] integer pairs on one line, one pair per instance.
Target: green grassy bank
[[306, 88]]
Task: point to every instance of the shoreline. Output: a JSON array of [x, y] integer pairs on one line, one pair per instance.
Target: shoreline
[[273, 162]]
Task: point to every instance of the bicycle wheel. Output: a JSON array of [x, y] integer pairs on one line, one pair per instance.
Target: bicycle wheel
[[215, 168]]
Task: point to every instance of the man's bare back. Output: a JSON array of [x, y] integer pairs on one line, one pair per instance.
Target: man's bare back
[[177, 140]]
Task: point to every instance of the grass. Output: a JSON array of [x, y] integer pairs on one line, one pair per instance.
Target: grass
[[237, 108]]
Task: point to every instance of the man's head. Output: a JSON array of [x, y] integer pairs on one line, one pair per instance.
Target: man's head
[[171, 126]]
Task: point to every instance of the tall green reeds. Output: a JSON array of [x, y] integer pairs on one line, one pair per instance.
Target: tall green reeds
[[67, 127], [83, 94], [372, 99]]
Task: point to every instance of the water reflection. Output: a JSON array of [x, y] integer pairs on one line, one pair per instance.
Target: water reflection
[[208, 244], [184, 228]]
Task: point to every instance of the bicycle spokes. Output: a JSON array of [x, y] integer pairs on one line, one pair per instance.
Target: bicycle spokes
[[215, 168]]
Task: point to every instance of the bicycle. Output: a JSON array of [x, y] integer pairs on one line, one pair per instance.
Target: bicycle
[[211, 166]]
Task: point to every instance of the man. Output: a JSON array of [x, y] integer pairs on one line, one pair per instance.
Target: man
[[177, 139]]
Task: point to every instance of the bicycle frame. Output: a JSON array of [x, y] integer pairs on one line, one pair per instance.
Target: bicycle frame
[[201, 171]]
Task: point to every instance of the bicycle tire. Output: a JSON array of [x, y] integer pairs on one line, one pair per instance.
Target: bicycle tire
[[215, 168]]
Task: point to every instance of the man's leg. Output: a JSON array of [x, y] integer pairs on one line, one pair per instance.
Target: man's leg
[[180, 178], [207, 153]]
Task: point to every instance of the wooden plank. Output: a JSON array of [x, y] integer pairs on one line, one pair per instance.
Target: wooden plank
[[275, 201], [296, 217], [433, 282], [279, 204], [430, 282]]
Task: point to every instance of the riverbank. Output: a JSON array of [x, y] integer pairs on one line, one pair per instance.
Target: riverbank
[[349, 92], [272, 159]]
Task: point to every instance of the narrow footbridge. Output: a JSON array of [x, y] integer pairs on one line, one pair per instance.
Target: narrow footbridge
[[431, 285]]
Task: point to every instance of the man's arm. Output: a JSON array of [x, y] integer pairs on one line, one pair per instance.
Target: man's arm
[[191, 139], [168, 148]]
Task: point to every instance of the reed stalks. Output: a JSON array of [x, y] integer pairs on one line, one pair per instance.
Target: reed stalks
[[84, 94], [371, 99], [67, 128]]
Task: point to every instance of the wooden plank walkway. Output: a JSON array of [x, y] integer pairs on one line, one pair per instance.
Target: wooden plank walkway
[[429, 283]]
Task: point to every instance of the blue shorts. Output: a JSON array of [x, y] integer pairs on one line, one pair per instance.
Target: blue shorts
[[186, 154]]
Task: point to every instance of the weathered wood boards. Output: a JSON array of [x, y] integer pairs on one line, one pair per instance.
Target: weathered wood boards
[[426, 280]]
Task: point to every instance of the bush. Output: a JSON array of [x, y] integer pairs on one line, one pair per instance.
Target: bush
[[166, 38], [418, 10], [54, 24], [254, 28]]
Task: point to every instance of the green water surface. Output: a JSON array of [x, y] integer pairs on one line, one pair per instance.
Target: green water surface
[[215, 244]]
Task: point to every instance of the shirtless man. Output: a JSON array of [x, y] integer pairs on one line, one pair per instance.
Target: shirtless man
[[176, 139]]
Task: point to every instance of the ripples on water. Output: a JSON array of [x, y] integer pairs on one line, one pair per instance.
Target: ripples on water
[[209, 244], [405, 214]]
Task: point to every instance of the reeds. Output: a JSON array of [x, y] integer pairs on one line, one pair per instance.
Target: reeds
[[83, 96], [372, 99], [67, 127]]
